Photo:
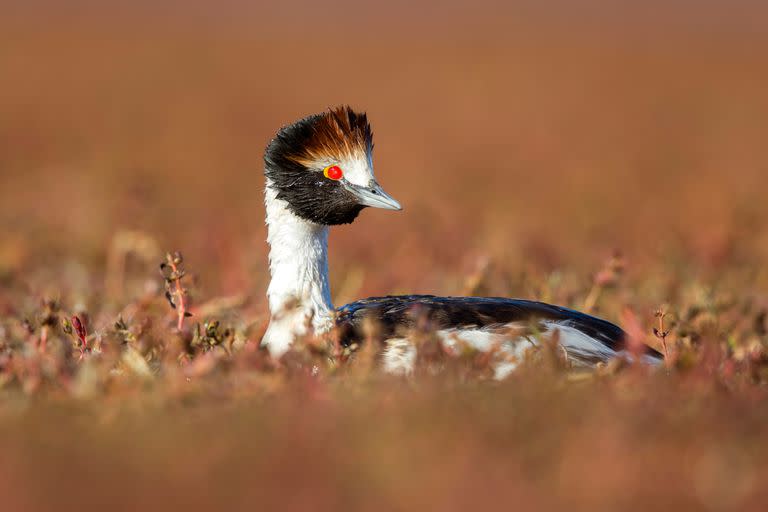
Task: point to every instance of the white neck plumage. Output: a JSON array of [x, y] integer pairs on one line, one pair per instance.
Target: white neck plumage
[[299, 293]]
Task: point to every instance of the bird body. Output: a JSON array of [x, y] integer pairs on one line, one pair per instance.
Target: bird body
[[319, 173]]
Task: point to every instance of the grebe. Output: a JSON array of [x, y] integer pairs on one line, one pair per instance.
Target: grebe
[[319, 173]]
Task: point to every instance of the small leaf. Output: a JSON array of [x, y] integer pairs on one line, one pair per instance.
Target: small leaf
[[79, 327], [169, 298]]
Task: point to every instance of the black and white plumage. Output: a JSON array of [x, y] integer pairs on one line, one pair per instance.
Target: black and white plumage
[[319, 173]]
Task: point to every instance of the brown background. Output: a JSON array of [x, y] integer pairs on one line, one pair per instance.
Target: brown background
[[539, 137], [543, 136]]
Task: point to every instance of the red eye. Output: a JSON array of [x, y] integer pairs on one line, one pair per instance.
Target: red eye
[[333, 172]]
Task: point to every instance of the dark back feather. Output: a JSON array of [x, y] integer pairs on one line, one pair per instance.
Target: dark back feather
[[396, 315]]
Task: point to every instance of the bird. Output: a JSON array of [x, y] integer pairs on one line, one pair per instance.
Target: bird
[[319, 173]]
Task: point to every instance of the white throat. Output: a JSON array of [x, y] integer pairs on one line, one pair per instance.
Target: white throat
[[299, 294]]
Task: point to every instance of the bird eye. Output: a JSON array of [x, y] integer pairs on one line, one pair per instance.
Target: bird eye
[[333, 172]]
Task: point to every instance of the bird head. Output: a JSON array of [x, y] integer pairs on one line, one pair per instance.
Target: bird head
[[322, 167]]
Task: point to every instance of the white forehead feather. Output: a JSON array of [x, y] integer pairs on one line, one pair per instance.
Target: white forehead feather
[[358, 171]]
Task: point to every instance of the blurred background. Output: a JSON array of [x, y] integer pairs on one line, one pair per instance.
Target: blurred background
[[538, 136], [531, 143]]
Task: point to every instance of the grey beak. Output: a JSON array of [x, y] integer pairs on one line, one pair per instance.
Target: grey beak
[[373, 195]]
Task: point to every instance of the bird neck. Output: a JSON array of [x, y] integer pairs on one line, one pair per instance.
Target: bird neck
[[299, 294]]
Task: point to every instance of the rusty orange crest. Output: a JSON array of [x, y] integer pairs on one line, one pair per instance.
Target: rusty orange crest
[[339, 134]]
